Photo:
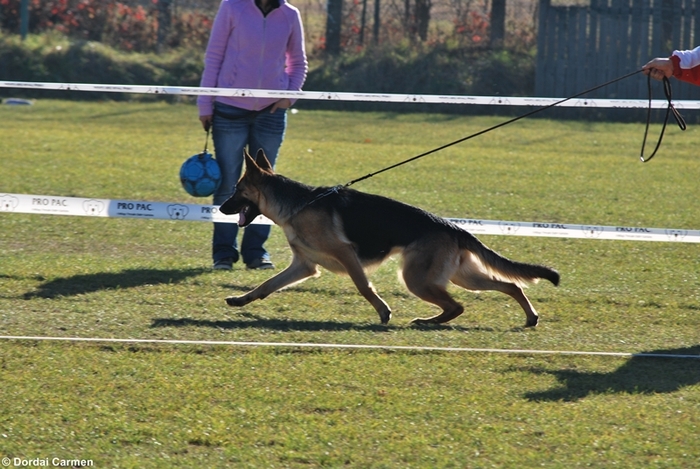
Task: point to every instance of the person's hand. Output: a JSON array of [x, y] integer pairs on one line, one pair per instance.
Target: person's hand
[[658, 68], [206, 122], [283, 103]]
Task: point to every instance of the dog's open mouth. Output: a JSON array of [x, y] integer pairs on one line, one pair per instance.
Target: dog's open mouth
[[247, 214], [247, 211], [243, 216]]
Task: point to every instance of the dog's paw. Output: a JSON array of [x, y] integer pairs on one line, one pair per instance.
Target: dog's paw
[[532, 322], [236, 301], [385, 316]]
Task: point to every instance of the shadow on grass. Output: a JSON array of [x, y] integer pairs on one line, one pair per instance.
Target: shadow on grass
[[640, 375], [90, 283], [251, 321]]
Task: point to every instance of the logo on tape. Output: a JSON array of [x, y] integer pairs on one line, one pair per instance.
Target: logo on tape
[[466, 222], [676, 235], [93, 207], [631, 229], [509, 227], [550, 226], [8, 203], [178, 211], [414, 99], [592, 231]]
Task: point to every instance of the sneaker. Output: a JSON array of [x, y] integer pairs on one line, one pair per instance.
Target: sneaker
[[260, 264], [223, 264]]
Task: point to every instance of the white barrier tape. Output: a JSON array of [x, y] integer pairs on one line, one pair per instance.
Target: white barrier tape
[[57, 205], [567, 230], [78, 206], [350, 346], [344, 96]]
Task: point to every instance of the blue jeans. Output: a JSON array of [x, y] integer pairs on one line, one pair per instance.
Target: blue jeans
[[233, 129]]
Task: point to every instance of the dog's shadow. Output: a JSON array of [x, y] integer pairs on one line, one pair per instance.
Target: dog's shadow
[[251, 321], [91, 283], [641, 374]]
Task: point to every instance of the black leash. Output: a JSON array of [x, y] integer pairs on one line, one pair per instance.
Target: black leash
[[670, 109], [502, 124]]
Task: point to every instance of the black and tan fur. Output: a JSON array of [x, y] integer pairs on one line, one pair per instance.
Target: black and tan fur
[[347, 231]]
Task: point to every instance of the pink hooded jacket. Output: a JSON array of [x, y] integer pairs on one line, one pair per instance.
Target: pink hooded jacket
[[249, 50]]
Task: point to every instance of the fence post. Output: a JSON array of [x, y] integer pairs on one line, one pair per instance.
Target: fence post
[[24, 19], [542, 64], [164, 23], [498, 23], [334, 10]]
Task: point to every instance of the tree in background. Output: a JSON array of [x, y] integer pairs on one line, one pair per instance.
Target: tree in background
[[498, 22], [126, 25], [334, 17], [469, 23], [418, 19], [332, 26], [165, 20]]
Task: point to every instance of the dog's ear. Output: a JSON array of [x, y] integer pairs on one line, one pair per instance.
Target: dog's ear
[[251, 167], [262, 161]]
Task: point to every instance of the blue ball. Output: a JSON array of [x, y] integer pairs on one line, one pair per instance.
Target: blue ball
[[200, 175]]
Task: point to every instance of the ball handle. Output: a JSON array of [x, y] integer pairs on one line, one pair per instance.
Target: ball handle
[[206, 140]]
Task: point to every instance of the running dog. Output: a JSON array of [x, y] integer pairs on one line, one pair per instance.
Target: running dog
[[347, 231]]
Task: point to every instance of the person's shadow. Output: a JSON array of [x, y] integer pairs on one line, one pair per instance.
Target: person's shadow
[[90, 283], [641, 374]]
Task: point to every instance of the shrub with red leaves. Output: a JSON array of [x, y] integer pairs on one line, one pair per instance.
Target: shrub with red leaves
[[131, 28]]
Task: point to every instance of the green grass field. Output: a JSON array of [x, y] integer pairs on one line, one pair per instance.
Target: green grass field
[[158, 405]]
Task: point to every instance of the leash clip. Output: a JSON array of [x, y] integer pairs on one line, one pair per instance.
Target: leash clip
[[326, 193]]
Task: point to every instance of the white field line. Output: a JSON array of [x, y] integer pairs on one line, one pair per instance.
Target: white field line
[[347, 346]]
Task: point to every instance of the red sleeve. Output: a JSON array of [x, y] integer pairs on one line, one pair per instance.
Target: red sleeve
[[690, 75]]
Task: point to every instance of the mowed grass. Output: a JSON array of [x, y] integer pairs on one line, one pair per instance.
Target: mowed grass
[[156, 405]]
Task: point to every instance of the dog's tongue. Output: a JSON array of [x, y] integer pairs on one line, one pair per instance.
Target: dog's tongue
[[241, 218]]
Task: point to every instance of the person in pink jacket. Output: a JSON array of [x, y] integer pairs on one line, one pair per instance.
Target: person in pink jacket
[[254, 44], [682, 64]]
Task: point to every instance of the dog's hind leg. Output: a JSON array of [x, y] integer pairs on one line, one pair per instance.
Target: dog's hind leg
[[297, 271], [436, 295], [483, 284], [427, 269], [517, 293]]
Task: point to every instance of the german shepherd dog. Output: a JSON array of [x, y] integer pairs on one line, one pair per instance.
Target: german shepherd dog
[[346, 231]]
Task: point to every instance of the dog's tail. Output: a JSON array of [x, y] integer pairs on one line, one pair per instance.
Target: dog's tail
[[503, 268]]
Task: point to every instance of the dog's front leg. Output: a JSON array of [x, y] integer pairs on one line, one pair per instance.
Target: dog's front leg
[[353, 267], [297, 271]]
